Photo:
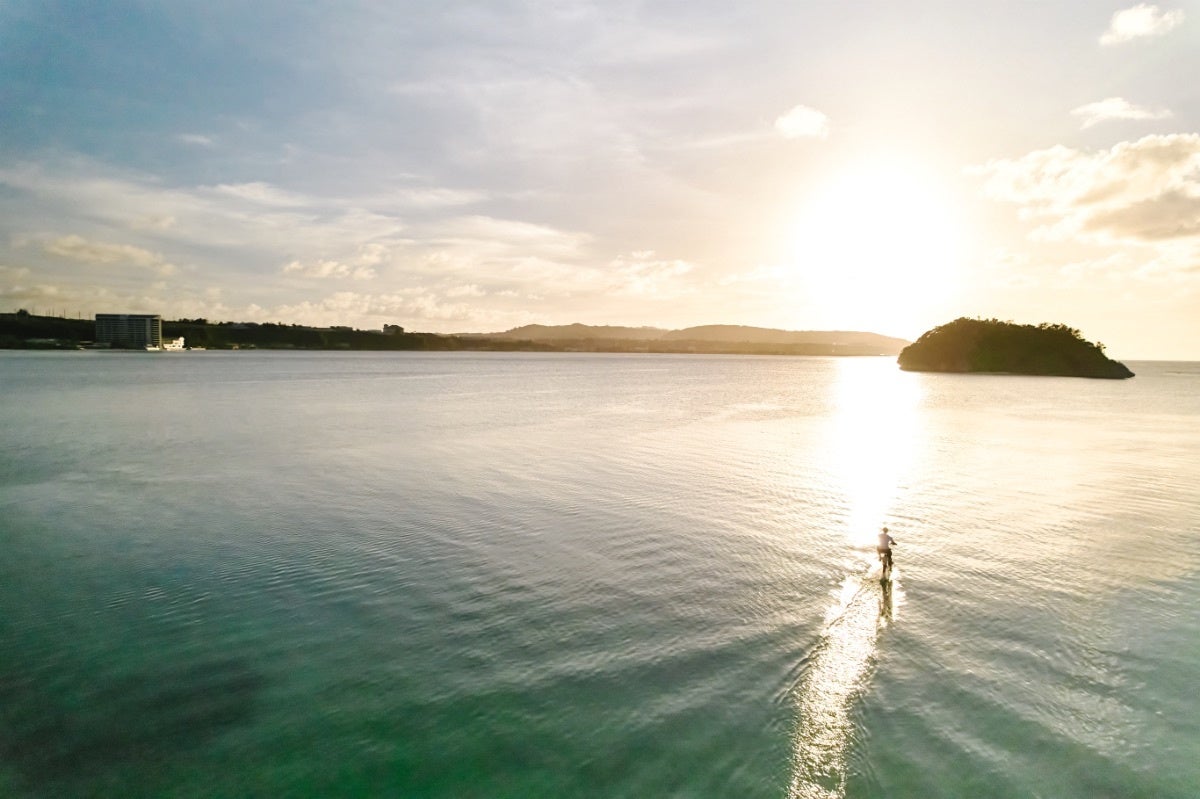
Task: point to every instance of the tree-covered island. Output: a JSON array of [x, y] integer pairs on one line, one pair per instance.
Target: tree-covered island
[[989, 345]]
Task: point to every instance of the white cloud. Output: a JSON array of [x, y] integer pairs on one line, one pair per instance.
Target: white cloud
[[195, 139], [280, 248], [487, 235], [262, 194], [80, 249], [403, 306], [233, 228], [1116, 108], [276, 251], [433, 198], [1139, 22], [1144, 193], [643, 274], [803, 122], [329, 269]]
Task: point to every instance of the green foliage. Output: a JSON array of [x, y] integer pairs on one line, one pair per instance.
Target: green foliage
[[23, 330], [990, 345]]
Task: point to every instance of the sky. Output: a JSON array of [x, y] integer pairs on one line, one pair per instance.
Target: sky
[[475, 166]]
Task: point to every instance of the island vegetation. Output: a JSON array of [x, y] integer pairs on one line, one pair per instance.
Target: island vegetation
[[23, 330], [992, 346]]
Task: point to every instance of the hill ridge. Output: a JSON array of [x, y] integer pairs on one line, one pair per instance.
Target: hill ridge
[[730, 334]]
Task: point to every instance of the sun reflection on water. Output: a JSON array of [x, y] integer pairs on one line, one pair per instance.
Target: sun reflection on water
[[838, 673], [870, 448], [872, 441]]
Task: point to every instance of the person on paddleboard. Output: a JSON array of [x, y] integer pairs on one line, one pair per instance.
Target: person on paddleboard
[[884, 548]]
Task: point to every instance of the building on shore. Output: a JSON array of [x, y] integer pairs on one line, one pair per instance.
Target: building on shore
[[128, 330]]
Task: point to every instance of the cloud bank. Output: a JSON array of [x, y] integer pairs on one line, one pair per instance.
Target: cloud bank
[[1144, 192], [78, 248]]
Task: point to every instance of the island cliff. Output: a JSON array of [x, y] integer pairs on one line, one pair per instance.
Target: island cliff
[[978, 345]]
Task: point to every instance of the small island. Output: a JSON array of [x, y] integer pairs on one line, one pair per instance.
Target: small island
[[992, 346]]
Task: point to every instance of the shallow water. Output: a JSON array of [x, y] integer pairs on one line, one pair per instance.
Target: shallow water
[[511, 575]]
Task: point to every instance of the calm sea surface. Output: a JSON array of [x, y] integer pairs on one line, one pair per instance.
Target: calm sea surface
[[241, 574]]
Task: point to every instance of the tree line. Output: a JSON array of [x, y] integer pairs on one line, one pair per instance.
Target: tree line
[[23, 330]]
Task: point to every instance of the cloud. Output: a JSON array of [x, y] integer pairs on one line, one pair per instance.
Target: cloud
[[236, 229], [1171, 215], [803, 122], [1140, 22], [153, 222], [1116, 108], [357, 266], [18, 294], [433, 198], [78, 248], [261, 193], [329, 269], [13, 272], [274, 243], [195, 139], [1144, 193], [643, 274], [405, 305], [487, 236]]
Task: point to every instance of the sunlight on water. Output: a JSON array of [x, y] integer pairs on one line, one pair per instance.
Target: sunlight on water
[[871, 444], [872, 441], [838, 672]]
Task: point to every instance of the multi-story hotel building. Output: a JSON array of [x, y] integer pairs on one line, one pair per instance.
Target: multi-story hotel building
[[129, 330]]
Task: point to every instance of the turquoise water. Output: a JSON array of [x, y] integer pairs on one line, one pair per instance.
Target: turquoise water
[[512, 575]]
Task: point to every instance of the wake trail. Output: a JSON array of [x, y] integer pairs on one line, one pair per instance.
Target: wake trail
[[838, 673]]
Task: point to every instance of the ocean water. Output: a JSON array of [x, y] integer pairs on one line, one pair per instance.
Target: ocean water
[[233, 574]]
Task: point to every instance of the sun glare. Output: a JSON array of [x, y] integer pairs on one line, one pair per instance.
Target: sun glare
[[872, 444], [877, 249]]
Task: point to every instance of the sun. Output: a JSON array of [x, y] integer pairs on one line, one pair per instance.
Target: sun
[[877, 248]]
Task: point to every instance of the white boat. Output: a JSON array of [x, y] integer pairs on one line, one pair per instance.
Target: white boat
[[174, 345]]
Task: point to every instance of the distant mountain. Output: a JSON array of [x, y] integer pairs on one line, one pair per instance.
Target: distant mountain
[[706, 338], [767, 335], [576, 332]]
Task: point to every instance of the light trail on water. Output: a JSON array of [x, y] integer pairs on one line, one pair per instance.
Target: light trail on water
[[838, 673]]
